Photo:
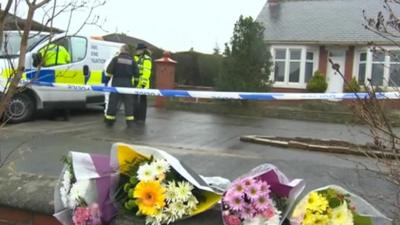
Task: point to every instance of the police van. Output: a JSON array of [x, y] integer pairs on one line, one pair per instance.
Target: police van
[[88, 58]]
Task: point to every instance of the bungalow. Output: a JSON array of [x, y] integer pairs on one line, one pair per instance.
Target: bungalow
[[304, 34]]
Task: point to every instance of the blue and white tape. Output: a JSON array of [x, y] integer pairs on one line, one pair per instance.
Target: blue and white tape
[[218, 94]]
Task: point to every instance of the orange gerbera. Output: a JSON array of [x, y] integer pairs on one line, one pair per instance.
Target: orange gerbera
[[150, 197]]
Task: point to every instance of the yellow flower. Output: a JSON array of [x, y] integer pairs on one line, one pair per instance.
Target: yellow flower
[[315, 219], [321, 220], [150, 197], [341, 215], [308, 219], [317, 202]]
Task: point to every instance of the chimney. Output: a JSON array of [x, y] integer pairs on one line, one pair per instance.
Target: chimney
[[273, 2]]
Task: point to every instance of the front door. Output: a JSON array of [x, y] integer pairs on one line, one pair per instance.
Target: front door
[[334, 79]]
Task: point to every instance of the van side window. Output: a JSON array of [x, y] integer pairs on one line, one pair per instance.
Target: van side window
[[55, 53], [78, 48], [63, 51]]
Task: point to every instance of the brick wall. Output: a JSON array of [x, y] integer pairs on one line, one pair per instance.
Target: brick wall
[[288, 90], [348, 71], [13, 216], [323, 60]]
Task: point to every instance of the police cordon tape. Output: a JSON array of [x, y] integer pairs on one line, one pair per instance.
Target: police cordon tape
[[255, 96]]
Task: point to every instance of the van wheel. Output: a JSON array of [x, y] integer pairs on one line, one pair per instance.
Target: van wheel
[[21, 109]]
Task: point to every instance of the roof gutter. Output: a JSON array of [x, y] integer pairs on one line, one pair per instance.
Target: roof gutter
[[341, 43]]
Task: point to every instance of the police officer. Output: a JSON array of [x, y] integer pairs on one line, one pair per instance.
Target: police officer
[[54, 54], [144, 62], [51, 55], [123, 69]]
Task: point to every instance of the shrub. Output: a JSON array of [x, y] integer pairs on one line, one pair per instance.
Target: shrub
[[352, 86], [246, 65], [317, 83]]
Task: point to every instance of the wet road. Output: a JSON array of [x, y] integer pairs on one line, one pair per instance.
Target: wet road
[[208, 143]]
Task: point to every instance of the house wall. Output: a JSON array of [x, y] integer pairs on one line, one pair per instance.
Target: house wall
[[348, 72], [288, 90], [321, 63], [323, 60]]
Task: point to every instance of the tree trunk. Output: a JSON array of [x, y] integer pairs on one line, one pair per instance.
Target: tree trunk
[[17, 75], [3, 17]]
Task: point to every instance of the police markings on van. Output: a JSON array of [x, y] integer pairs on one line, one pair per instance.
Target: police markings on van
[[78, 88]]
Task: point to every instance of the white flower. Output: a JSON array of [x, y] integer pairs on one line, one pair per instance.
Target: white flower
[[192, 203], [82, 189], [65, 187], [146, 172], [260, 220], [178, 209], [341, 215], [67, 180], [274, 220], [161, 166], [169, 217], [171, 193], [156, 219], [184, 191], [64, 196], [257, 220]]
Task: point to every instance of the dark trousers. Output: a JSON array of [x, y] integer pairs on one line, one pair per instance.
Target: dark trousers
[[140, 107], [113, 104]]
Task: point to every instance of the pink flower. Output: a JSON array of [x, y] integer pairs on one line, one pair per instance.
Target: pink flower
[[262, 202], [248, 212], [81, 216], [238, 188], [264, 187], [247, 182], [231, 220], [268, 213], [234, 201], [87, 215], [95, 215], [253, 192]]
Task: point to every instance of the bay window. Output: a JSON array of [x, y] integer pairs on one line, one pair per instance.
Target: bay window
[[394, 69], [362, 68], [280, 60], [382, 68], [293, 66], [309, 66], [378, 66]]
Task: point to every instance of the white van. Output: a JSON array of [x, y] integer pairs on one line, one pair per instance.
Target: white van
[[88, 59]]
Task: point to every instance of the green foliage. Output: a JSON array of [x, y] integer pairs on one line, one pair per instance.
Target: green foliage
[[358, 219], [281, 202], [352, 86], [246, 65], [317, 84], [67, 160], [334, 198], [195, 68]]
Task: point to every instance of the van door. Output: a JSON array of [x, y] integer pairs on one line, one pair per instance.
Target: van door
[[62, 71]]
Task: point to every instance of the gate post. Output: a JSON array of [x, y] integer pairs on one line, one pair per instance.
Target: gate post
[[165, 76]]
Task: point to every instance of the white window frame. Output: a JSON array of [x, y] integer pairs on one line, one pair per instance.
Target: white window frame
[[369, 62], [304, 49]]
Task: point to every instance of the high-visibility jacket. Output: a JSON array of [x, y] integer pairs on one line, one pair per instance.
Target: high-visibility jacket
[[54, 55], [145, 65]]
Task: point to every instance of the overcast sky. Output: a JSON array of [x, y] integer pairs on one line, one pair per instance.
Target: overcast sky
[[175, 25]]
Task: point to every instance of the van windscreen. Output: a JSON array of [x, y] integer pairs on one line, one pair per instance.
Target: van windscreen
[[11, 43]]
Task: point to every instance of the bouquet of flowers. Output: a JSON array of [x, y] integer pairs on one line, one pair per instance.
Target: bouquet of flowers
[[82, 194], [264, 196], [156, 186], [333, 205]]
